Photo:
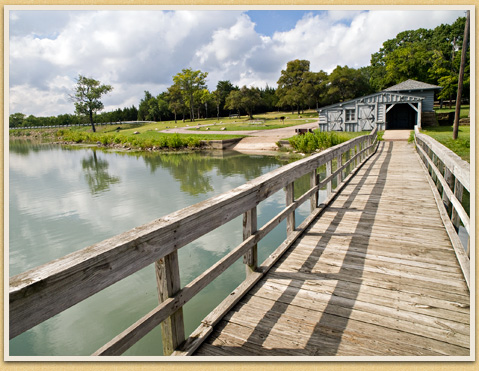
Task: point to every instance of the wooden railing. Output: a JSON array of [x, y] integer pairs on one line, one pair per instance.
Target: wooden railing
[[450, 175], [43, 292]]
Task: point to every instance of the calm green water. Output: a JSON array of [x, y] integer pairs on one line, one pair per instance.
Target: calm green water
[[62, 200]]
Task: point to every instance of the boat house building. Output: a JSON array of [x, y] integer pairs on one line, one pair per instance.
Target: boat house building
[[398, 107]]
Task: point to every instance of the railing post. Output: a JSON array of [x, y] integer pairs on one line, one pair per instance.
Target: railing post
[[329, 166], [458, 191], [290, 219], [250, 226], [450, 182], [339, 162], [313, 182], [168, 281]]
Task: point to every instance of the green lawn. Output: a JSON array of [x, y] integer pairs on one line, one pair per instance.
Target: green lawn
[[266, 121], [443, 134], [464, 110]]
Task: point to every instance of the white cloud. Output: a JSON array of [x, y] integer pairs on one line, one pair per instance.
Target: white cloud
[[142, 50]]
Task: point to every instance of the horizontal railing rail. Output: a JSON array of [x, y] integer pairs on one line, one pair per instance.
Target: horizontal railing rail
[[450, 175], [41, 293]]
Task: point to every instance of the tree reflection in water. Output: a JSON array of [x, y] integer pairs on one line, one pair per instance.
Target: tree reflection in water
[[96, 174], [192, 170]]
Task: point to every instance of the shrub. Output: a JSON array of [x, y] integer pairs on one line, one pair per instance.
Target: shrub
[[174, 141], [310, 142], [193, 142]]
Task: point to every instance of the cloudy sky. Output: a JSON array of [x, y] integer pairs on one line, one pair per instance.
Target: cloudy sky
[[136, 49]]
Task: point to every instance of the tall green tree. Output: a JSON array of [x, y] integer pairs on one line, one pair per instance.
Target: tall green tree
[[86, 97], [223, 89], [290, 85], [153, 110], [163, 106], [216, 98], [314, 88], [346, 83], [206, 98], [269, 98], [426, 55], [245, 98], [446, 59], [144, 107], [16, 120], [190, 82], [175, 100]]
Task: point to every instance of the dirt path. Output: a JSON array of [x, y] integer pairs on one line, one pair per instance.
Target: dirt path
[[257, 140]]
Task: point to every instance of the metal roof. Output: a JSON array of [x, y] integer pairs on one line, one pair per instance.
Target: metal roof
[[412, 85]]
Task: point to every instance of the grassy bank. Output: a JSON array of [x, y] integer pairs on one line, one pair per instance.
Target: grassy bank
[[443, 134], [122, 136]]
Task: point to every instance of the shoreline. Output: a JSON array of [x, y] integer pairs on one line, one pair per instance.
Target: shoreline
[[254, 141]]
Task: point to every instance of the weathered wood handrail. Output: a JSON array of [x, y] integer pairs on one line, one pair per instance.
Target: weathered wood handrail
[[45, 291], [452, 173]]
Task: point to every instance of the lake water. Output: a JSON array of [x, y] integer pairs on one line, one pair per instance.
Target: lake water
[[64, 199]]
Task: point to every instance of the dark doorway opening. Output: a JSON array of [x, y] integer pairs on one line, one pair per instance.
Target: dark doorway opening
[[401, 116]]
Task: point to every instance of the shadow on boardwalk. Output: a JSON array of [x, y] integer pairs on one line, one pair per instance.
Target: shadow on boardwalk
[[326, 335], [374, 275], [323, 329]]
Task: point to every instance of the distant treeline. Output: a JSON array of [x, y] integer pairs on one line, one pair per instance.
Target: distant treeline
[[431, 56], [18, 120]]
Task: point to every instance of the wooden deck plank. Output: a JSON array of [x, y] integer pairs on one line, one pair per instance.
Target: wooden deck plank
[[374, 275]]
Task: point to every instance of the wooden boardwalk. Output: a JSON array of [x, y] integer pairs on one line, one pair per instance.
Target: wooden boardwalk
[[375, 275]]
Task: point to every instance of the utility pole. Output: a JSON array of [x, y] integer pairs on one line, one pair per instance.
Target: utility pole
[[461, 78]]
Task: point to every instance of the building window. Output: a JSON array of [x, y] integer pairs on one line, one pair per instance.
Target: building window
[[350, 115]]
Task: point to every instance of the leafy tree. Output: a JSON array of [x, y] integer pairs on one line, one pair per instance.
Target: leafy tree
[[346, 83], [175, 100], [404, 57], [205, 98], [190, 82], [153, 110], [33, 121], [245, 98], [87, 96], [233, 101], [426, 55], [223, 89], [269, 99], [144, 107], [446, 59], [290, 84], [216, 99], [16, 120], [162, 102], [314, 87]]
